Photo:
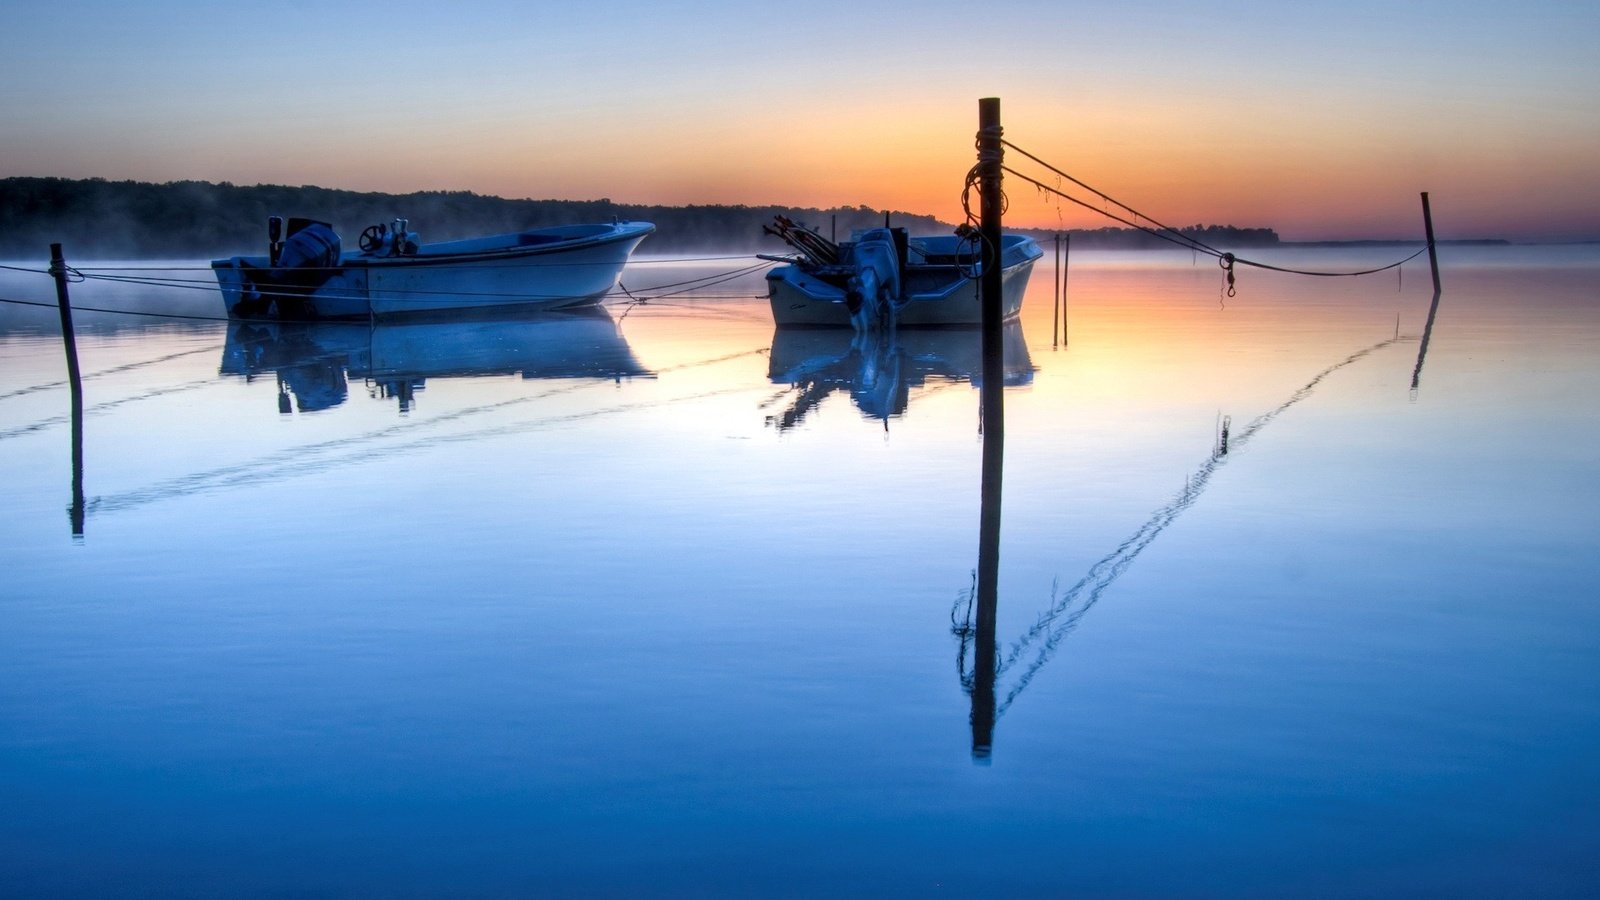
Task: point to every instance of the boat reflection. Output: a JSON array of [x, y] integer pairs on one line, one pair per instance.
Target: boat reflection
[[315, 361], [879, 367]]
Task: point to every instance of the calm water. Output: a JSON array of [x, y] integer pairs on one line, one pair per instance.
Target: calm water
[[657, 603]]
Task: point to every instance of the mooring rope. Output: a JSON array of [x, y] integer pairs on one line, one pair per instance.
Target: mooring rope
[[398, 295], [118, 312], [644, 261], [669, 289], [1195, 242], [1168, 233]]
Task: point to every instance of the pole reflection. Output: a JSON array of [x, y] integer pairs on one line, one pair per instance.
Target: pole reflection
[[973, 616], [985, 653], [1427, 335], [75, 511]]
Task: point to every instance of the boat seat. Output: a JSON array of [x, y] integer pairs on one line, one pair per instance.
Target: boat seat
[[527, 240]]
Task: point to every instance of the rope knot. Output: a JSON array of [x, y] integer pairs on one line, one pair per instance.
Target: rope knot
[[989, 144]]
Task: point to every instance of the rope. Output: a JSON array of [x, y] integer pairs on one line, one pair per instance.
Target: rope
[[971, 231], [710, 280], [670, 289], [123, 312], [1103, 196], [1176, 238], [1167, 232], [650, 261], [1262, 265], [683, 287]]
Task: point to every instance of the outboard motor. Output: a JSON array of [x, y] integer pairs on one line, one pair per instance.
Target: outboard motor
[[875, 285], [300, 265], [311, 245]]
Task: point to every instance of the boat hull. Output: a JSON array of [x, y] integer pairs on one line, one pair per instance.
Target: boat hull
[[546, 269], [935, 295]]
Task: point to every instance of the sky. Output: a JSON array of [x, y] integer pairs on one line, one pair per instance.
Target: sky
[[1322, 121]]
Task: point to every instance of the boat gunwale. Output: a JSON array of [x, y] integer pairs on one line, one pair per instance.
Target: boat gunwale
[[620, 232]]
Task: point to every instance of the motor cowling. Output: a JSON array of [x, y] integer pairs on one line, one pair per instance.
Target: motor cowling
[[310, 245]]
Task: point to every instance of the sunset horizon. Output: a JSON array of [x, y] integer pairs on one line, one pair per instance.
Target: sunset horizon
[[1321, 125]]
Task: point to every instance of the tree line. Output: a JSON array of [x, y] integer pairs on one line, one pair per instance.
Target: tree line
[[96, 218]]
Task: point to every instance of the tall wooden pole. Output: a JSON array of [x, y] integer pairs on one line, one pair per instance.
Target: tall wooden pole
[[1433, 308], [985, 657], [990, 157], [58, 269]]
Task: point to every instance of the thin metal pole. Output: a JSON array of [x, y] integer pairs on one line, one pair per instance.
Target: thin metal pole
[[58, 270], [1066, 265], [1055, 323], [1433, 255]]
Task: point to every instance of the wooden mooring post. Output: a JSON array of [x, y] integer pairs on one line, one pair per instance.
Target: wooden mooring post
[[985, 659], [1433, 255], [991, 155], [58, 270], [1433, 308]]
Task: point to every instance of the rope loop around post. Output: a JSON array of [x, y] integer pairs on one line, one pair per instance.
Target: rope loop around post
[[60, 269], [989, 144]]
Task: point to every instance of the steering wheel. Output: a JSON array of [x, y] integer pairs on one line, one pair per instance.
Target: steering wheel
[[372, 238]]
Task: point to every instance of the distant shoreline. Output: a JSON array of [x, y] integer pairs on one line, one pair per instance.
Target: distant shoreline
[[96, 218], [129, 219]]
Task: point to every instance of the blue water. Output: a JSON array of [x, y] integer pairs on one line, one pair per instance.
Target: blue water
[[661, 604]]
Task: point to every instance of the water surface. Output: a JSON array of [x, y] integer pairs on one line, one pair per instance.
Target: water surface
[[657, 602]]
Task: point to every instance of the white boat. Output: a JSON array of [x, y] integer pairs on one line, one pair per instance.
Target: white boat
[[310, 277], [884, 277]]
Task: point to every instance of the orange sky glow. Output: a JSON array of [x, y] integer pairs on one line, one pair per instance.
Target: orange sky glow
[[1320, 126]]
